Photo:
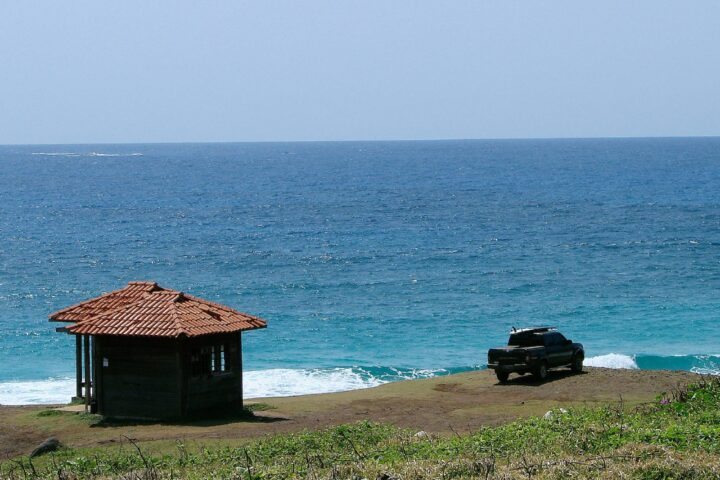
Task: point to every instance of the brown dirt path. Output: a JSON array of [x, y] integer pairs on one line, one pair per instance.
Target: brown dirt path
[[459, 403]]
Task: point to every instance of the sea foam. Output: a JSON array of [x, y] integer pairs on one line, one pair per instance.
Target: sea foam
[[612, 360], [50, 391], [256, 384], [285, 382]]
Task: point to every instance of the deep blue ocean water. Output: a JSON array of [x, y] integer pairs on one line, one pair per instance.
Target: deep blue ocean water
[[371, 261]]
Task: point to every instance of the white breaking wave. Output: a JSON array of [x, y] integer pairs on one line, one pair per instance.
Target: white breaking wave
[[282, 382], [257, 384], [709, 365], [705, 371], [612, 360], [50, 391]]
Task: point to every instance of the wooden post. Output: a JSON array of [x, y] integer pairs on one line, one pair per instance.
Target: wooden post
[[78, 366], [87, 373], [96, 363], [240, 369]]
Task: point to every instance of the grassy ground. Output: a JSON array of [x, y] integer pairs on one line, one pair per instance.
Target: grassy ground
[[459, 403], [677, 436]]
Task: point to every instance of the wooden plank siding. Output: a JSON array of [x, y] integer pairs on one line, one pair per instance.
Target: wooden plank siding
[[154, 378], [140, 379], [214, 390]]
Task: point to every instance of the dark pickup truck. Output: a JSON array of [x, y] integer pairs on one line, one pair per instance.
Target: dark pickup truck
[[535, 350]]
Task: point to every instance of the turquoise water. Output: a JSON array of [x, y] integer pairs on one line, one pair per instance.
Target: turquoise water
[[372, 261]]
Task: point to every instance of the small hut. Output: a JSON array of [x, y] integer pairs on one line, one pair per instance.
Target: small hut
[[148, 352]]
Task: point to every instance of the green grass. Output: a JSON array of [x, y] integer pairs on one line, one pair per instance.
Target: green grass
[[676, 437], [49, 413], [259, 407]]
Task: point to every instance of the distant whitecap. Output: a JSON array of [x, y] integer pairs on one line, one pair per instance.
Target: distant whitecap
[[87, 154]]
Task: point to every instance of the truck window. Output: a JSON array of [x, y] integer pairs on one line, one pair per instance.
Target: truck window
[[525, 340], [554, 338]]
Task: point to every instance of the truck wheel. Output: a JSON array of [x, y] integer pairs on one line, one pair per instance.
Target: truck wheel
[[502, 376], [541, 372], [577, 364]]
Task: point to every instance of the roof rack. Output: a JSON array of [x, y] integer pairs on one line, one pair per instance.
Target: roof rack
[[532, 329]]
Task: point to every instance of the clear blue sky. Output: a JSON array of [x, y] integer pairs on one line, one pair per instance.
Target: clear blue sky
[[169, 71]]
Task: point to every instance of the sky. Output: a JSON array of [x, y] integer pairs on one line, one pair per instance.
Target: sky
[[284, 70]]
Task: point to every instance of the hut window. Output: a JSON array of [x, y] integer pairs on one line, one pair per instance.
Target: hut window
[[201, 361], [210, 359], [218, 358]]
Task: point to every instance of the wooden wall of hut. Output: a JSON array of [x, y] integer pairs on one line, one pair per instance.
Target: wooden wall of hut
[[212, 382], [137, 377], [158, 378]]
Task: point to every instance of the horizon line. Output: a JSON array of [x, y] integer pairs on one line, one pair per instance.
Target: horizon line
[[200, 142]]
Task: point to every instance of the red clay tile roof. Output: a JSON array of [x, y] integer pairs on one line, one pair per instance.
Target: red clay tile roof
[[133, 292], [146, 309]]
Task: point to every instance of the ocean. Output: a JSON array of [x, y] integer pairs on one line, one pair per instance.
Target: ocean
[[371, 261]]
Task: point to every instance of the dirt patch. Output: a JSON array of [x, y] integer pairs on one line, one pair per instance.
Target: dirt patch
[[19, 437], [449, 387]]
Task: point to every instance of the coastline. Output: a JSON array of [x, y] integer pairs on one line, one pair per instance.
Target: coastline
[[460, 402], [282, 382]]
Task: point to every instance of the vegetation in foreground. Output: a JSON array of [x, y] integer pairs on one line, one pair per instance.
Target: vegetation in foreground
[[677, 437]]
